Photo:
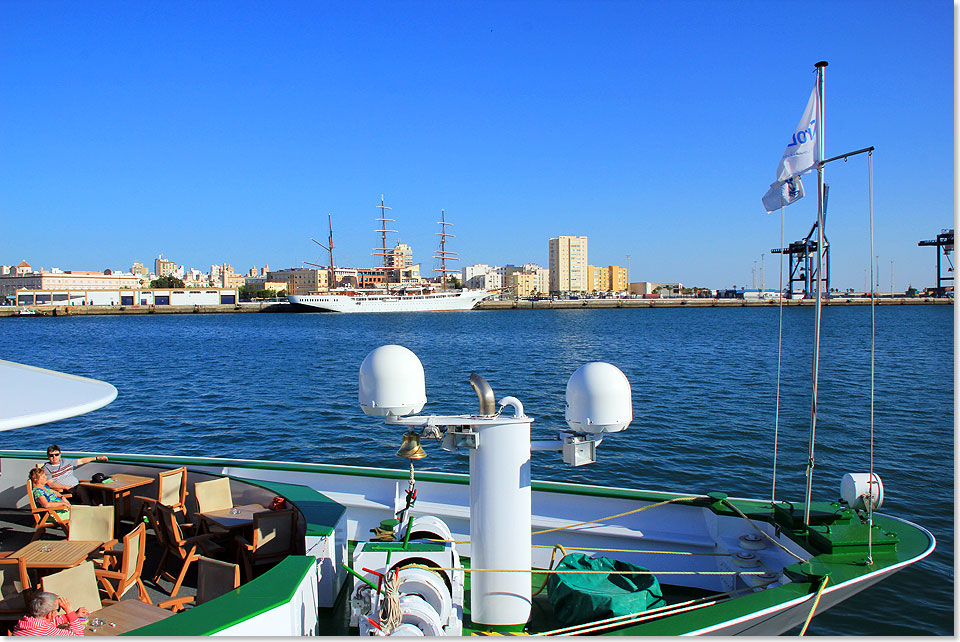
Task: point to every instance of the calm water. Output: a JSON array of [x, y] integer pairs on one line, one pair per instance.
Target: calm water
[[284, 386]]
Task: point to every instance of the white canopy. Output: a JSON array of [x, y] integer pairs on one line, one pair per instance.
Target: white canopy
[[30, 396]]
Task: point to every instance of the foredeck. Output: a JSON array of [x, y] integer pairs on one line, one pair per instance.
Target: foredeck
[[677, 527]]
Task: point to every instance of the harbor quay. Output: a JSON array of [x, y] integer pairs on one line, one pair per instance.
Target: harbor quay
[[544, 304]]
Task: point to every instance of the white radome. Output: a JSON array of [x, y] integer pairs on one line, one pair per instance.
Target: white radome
[[598, 399], [392, 382]]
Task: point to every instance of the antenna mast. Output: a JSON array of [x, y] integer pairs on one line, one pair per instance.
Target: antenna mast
[[442, 253]]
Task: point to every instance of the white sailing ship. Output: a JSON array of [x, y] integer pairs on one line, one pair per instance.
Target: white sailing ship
[[402, 298]]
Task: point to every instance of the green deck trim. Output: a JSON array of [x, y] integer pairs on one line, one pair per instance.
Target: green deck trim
[[322, 513], [416, 547], [273, 589]]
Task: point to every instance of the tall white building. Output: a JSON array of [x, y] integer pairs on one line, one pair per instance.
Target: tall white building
[[568, 264], [481, 276]]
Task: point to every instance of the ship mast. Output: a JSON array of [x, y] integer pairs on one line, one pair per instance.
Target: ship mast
[[442, 253], [329, 248], [382, 250]]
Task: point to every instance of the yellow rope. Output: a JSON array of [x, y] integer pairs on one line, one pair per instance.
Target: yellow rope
[[538, 570], [550, 566], [634, 550], [609, 517], [823, 585], [590, 548]]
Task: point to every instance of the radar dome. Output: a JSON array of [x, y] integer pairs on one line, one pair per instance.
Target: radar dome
[[392, 382], [599, 399]]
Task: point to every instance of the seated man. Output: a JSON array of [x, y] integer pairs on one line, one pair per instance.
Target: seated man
[[42, 618], [61, 475], [46, 497]]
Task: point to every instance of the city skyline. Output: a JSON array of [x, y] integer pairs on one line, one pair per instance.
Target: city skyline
[[226, 133]]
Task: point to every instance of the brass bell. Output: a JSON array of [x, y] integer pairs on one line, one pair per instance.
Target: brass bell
[[410, 448]]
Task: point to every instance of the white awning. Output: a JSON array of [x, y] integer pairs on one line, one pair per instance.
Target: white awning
[[30, 396]]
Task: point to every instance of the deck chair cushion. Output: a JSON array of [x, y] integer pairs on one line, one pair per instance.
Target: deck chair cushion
[[274, 532], [215, 578], [77, 584], [11, 596], [213, 495], [91, 523], [171, 484]]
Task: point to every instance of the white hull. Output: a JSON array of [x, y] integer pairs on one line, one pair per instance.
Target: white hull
[[436, 302]]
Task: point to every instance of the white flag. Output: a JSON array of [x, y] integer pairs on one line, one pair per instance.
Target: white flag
[[782, 193], [800, 157]]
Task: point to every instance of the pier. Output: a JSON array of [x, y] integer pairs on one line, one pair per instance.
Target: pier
[[695, 302], [545, 304]]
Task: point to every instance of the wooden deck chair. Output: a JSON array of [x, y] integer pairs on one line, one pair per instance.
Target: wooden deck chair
[[171, 491], [13, 583], [274, 535], [213, 495], [214, 578], [92, 524], [43, 517], [210, 496], [178, 546], [78, 585], [117, 583]]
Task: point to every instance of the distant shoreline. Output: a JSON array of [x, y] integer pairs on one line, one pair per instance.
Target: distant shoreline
[[566, 304]]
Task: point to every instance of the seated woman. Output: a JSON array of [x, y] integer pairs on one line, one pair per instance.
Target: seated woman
[[46, 496]]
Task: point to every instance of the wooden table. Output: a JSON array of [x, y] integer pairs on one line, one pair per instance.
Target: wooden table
[[121, 487], [61, 554], [231, 521], [126, 615]]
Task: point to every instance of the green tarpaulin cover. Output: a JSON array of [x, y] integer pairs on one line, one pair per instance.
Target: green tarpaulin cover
[[586, 597]]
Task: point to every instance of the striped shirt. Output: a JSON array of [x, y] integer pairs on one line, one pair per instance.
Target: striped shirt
[[29, 625], [62, 473]]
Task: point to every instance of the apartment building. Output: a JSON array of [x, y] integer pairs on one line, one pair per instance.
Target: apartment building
[[612, 278], [301, 280], [598, 279], [163, 267], [526, 280], [568, 264], [618, 278]]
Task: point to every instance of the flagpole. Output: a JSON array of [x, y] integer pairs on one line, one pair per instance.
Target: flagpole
[[821, 66]]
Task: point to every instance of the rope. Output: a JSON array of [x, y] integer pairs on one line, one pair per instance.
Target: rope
[[390, 616], [634, 550], [873, 334], [550, 566], [548, 571], [762, 532], [634, 618], [823, 585], [591, 548], [609, 517], [776, 421]]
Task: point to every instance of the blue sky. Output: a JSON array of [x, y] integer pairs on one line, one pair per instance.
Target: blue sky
[[226, 131]]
